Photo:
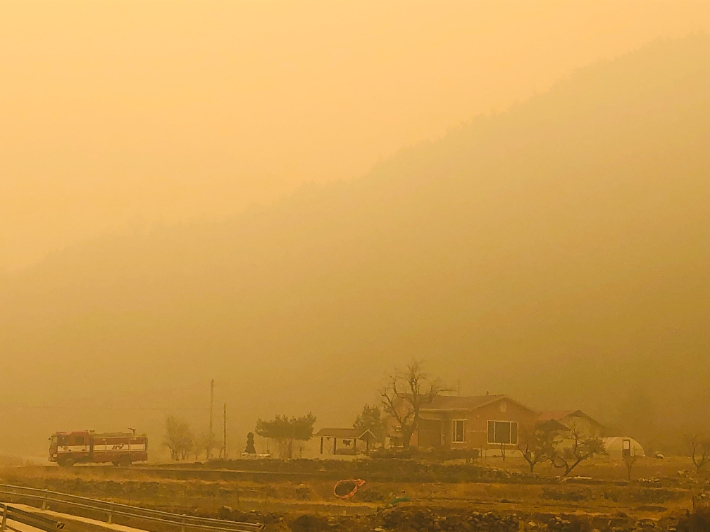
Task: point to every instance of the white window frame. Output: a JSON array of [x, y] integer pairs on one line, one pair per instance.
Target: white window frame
[[454, 432], [510, 433]]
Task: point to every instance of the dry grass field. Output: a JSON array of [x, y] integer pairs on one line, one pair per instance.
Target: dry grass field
[[659, 492]]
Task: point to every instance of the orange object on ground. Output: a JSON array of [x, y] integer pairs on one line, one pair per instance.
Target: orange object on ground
[[344, 489]]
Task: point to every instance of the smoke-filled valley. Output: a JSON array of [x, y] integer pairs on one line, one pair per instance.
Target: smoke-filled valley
[[557, 252]]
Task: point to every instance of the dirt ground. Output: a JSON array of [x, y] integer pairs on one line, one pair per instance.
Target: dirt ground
[[492, 496]]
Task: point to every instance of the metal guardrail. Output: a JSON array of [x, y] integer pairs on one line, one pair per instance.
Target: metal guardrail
[[113, 509], [15, 515]]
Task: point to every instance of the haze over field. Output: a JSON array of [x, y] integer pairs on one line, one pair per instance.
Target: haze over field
[[556, 250]]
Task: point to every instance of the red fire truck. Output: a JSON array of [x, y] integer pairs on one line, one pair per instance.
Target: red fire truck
[[119, 448]]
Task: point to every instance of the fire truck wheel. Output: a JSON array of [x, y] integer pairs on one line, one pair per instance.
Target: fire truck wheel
[[67, 462]]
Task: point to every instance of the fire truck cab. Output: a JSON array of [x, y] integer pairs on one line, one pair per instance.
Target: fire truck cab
[[119, 448]]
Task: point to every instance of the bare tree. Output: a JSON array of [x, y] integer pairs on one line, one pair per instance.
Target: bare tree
[[699, 447], [178, 438], [581, 447], [629, 461], [404, 395], [538, 445], [206, 442]]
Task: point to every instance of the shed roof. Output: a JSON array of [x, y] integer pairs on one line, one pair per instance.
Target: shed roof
[[559, 415], [346, 434], [555, 414]]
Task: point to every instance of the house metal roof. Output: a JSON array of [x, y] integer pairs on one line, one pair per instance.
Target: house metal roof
[[454, 403]]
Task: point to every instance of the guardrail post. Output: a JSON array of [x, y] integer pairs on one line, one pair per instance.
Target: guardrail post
[[182, 525], [45, 501], [110, 514], [3, 527]]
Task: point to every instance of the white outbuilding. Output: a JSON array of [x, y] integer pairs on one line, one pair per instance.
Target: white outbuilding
[[618, 447]]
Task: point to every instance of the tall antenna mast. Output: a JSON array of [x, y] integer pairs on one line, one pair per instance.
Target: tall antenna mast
[[224, 440], [211, 414]]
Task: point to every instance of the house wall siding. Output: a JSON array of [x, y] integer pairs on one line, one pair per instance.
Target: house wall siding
[[476, 426]]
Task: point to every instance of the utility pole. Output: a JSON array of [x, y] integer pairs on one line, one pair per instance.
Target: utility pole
[[224, 440], [211, 436]]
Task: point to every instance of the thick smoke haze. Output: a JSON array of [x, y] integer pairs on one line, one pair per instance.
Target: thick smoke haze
[[126, 115], [294, 198]]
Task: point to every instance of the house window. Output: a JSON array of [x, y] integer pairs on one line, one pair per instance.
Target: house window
[[503, 432], [459, 431]]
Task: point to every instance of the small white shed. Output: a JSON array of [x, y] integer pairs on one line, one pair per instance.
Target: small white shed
[[618, 447]]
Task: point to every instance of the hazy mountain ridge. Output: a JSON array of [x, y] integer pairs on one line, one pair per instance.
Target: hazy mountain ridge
[[571, 232]]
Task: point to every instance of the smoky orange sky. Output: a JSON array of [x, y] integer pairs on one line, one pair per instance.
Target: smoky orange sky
[[121, 115]]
